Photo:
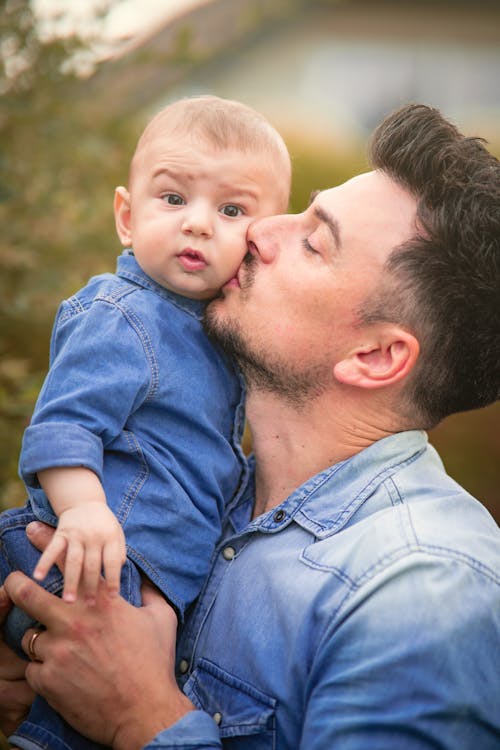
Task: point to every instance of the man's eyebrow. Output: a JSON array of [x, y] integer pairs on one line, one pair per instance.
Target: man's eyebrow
[[331, 223]]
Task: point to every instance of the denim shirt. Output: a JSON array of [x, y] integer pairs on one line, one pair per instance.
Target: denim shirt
[[363, 612], [138, 394]]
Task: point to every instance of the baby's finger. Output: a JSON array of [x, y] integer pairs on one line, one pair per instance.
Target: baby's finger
[[73, 570], [113, 559], [91, 573], [56, 547]]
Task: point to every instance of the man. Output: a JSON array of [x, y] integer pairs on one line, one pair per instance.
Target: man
[[354, 599]]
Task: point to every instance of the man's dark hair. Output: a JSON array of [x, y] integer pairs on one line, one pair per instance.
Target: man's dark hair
[[444, 284]]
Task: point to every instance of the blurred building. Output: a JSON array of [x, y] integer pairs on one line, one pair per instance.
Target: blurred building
[[323, 68]]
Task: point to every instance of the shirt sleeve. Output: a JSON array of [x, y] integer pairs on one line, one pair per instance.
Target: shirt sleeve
[[102, 369], [196, 731], [413, 664]]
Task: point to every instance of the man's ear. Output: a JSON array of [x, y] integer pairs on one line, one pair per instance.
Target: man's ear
[[121, 207], [385, 359]]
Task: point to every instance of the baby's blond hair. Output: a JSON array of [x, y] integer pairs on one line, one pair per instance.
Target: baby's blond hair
[[224, 124]]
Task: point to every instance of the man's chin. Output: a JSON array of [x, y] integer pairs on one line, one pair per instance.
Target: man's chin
[[220, 327], [212, 317]]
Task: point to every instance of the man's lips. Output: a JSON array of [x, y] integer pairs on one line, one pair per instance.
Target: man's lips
[[239, 278], [192, 260], [232, 283]]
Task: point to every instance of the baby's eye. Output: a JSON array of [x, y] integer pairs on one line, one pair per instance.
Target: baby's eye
[[231, 210], [173, 199]]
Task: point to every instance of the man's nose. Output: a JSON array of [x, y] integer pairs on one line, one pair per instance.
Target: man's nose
[[266, 237], [198, 220]]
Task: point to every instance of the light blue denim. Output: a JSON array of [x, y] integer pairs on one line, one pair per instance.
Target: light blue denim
[[361, 614], [138, 394]]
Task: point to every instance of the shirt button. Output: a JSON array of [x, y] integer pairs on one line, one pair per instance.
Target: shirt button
[[183, 666], [217, 717], [279, 515], [228, 553]]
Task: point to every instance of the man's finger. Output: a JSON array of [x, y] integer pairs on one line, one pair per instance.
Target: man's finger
[[158, 605], [150, 594], [32, 644], [34, 600], [5, 604], [40, 534], [15, 699]]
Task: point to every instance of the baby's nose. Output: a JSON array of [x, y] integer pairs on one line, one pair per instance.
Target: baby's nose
[[198, 220]]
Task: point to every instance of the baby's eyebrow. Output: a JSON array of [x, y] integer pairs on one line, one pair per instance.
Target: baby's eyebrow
[[331, 223], [165, 172]]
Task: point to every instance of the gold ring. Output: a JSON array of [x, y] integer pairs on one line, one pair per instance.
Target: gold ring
[[31, 646]]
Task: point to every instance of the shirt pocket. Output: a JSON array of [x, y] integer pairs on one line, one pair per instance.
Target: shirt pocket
[[246, 716]]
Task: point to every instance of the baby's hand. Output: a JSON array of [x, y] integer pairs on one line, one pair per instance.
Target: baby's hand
[[92, 540]]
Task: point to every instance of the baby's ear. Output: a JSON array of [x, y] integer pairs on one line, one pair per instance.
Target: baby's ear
[[121, 207], [387, 356]]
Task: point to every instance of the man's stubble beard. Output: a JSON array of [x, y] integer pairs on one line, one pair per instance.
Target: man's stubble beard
[[263, 370]]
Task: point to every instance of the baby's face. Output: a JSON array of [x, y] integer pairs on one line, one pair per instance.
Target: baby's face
[[188, 211]]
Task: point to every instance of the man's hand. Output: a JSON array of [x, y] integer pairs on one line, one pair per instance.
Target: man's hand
[[108, 669], [16, 696], [91, 539]]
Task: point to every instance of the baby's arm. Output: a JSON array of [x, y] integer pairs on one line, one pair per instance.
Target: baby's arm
[[87, 532]]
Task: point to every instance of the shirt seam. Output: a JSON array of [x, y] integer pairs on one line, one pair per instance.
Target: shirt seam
[[384, 564], [138, 326], [418, 549], [344, 515]]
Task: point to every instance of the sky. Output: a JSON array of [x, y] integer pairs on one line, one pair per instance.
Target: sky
[[127, 17]]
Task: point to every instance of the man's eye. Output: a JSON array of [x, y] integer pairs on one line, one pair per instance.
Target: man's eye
[[231, 210], [307, 245], [173, 199]]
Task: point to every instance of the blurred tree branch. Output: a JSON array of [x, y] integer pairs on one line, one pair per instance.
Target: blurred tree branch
[[58, 164]]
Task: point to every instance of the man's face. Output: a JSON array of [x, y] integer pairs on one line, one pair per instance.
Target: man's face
[[292, 312]]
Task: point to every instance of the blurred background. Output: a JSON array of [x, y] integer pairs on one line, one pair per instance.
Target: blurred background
[[78, 81]]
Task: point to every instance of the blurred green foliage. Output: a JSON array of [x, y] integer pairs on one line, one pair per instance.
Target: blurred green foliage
[[60, 159]]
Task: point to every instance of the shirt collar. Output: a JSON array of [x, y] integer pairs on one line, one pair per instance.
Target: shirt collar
[[326, 502], [127, 267]]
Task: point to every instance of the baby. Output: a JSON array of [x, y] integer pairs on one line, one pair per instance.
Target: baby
[[133, 450]]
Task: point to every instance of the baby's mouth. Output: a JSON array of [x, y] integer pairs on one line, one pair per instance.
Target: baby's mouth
[[192, 260]]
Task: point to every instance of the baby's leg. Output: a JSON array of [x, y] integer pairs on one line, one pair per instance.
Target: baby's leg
[[17, 553]]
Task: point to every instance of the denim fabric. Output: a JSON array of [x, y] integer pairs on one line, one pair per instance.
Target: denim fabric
[[138, 394], [364, 612], [46, 729], [17, 553]]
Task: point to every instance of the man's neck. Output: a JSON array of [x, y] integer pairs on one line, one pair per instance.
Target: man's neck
[[291, 445]]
